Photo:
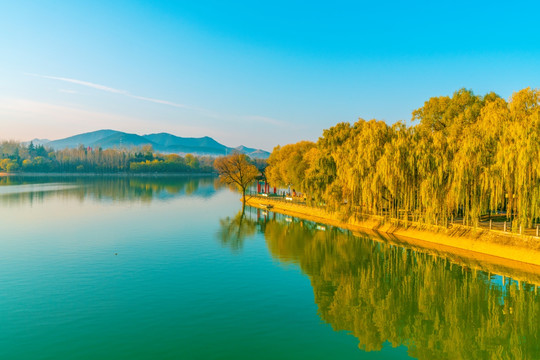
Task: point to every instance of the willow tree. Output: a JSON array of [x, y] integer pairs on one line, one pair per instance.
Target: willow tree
[[287, 165], [518, 157], [236, 170], [396, 170], [467, 156], [322, 178]]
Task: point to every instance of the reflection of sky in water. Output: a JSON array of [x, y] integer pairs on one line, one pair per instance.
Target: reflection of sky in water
[[18, 189], [497, 280]]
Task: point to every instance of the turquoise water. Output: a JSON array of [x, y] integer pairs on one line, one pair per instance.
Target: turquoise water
[[168, 268]]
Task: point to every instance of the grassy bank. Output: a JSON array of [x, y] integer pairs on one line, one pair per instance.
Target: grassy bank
[[498, 248]]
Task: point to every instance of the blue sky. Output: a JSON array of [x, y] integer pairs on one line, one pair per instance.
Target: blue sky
[[251, 73]]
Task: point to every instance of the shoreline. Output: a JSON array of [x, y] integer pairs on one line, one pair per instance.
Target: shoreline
[[495, 250], [59, 174]]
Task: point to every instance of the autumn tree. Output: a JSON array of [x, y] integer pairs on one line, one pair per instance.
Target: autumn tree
[[31, 158], [236, 170], [288, 165], [466, 157]]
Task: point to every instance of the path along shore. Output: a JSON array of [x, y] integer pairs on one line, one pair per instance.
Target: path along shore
[[499, 252]]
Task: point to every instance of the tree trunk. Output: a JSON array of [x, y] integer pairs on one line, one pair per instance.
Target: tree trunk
[[243, 200]]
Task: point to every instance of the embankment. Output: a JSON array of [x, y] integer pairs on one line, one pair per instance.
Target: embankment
[[106, 174], [496, 248]]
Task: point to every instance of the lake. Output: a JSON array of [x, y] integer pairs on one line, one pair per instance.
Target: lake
[[169, 268]]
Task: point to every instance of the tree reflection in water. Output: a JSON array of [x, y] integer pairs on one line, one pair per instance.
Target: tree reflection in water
[[383, 293], [118, 188], [233, 231]]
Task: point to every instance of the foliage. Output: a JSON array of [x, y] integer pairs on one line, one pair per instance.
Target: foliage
[[287, 165], [466, 156], [18, 157], [236, 170]]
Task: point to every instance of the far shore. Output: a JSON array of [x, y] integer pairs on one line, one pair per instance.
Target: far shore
[[499, 250], [60, 174]]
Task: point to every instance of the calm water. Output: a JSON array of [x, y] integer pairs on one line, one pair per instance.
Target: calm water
[[167, 268]]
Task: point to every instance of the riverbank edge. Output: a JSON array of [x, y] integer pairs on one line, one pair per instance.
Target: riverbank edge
[[504, 248], [124, 174]]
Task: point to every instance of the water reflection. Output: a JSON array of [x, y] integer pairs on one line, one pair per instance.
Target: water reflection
[[28, 189], [233, 231], [382, 293]]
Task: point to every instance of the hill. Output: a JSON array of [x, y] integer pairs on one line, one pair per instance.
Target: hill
[[84, 139], [161, 142]]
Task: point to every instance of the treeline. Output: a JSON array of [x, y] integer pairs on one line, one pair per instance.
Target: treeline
[[466, 156], [16, 157]]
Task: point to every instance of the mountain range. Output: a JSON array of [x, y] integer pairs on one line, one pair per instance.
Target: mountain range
[[162, 142]]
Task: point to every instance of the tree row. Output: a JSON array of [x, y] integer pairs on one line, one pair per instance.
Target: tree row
[[15, 157], [465, 156]]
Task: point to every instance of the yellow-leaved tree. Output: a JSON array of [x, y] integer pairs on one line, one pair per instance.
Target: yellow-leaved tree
[[236, 169]]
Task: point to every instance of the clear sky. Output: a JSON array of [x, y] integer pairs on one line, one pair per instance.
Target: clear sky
[[250, 72]]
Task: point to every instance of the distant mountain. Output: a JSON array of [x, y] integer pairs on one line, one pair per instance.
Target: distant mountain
[[122, 140], [172, 143], [172, 140], [37, 142], [162, 142], [245, 150], [84, 139]]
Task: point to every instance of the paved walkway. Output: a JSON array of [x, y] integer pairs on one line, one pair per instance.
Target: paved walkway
[[497, 222]]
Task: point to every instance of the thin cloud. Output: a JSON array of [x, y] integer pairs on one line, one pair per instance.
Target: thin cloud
[[110, 89], [206, 112], [158, 101], [83, 83]]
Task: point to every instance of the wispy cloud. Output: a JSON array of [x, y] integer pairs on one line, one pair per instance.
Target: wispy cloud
[[158, 101], [110, 90], [202, 111], [83, 83]]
